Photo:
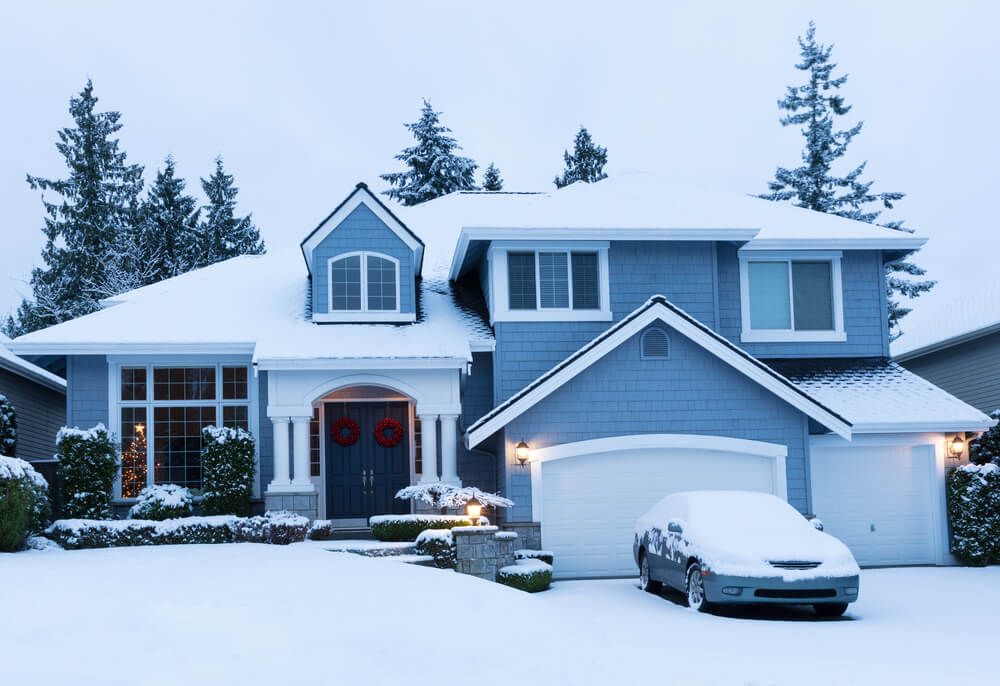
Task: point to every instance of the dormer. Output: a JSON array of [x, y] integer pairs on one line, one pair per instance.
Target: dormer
[[364, 263]]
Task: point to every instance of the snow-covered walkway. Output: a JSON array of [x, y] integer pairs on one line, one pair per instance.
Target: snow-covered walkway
[[248, 614]]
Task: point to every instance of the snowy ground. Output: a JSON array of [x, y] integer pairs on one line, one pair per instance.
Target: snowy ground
[[241, 614]]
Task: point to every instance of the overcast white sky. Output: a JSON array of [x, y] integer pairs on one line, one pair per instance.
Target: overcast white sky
[[305, 99]]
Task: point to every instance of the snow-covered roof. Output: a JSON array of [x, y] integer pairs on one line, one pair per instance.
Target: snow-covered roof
[[20, 366], [878, 396]]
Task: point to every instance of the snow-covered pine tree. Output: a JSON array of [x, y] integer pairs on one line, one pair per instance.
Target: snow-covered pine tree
[[168, 231], [223, 234], [434, 168], [986, 448], [586, 163], [97, 202], [492, 181], [814, 185]]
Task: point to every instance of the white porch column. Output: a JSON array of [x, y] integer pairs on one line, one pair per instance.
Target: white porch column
[[449, 456], [428, 448], [300, 449], [280, 425]]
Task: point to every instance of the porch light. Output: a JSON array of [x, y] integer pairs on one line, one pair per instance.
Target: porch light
[[522, 452], [474, 509], [956, 446]]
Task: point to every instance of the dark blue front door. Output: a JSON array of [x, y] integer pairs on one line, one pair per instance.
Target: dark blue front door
[[362, 479]]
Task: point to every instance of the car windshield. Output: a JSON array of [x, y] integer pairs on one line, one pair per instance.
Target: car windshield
[[737, 511]]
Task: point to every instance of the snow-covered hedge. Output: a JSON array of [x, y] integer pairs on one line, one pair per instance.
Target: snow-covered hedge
[[88, 465], [168, 501], [24, 502], [227, 470], [8, 427], [545, 556], [320, 530], [974, 513], [439, 544], [408, 527], [526, 575], [274, 527]]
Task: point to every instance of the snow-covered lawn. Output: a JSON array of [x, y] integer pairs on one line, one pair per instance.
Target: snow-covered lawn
[[247, 614]]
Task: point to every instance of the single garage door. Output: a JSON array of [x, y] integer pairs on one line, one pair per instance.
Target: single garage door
[[589, 503], [879, 500]]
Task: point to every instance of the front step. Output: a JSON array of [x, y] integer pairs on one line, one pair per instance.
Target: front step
[[351, 534]]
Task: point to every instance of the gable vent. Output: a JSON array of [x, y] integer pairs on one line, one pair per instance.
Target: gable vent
[[655, 344]]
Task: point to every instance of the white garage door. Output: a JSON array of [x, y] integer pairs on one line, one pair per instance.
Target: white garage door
[[589, 503], [879, 500]]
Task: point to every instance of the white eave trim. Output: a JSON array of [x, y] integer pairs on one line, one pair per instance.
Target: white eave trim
[[937, 426], [642, 441], [364, 317], [652, 311], [39, 348], [904, 242], [362, 363], [482, 346], [34, 373]]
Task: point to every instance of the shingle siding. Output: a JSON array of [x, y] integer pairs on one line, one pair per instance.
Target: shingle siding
[[41, 412], [86, 390], [477, 394], [970, 371]]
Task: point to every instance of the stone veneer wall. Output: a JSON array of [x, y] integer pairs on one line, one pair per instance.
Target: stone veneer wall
[[482, 550], [529, 534], [305, 504]]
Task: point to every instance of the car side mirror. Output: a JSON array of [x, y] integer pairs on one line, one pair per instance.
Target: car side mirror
[[675, 528]]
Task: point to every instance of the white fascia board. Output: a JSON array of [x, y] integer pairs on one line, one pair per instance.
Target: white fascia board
[[39, 348], [906, 242], [937, 426], [362, 363], [34, 373], [482, 346], [364, 317]]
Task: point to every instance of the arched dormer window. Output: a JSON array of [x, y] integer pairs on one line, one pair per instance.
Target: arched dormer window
[[655, 344], [364, 282]]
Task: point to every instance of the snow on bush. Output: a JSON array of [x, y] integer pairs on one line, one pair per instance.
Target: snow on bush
[[986, 448], [526, 575], [227, 470], [88, 464], [408, 527], [8, 427], [439, 544], [974, 513], [168, 501], [320, 530], [545, 556], [24, 502], [443, 496]]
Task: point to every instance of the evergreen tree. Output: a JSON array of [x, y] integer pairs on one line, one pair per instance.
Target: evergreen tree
[[492, 181], [168, 237], [434, 168], [223, 234], [586, 163], [986, 448], [98, 202], [814, 185]]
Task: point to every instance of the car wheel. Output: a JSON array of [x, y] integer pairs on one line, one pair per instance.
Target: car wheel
[[696, 588], [647, 583], [830, 610]]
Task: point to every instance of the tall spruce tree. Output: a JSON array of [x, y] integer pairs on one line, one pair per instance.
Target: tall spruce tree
[[223, 234], [492, 181], [815, 106], [586, 163], [434, 168], [168, 232], [98, 202]]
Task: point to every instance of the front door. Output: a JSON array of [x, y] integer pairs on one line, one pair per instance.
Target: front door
[[362, 479]]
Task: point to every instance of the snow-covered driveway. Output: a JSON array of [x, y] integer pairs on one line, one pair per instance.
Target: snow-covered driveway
[[249, 614]]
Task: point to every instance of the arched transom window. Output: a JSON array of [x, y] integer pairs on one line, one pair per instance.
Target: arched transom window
[[364, 282]]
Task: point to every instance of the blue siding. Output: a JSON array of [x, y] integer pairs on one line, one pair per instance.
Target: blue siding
[[86, 390], [362, 230], [477, 394], [969, 371], [693, 392]]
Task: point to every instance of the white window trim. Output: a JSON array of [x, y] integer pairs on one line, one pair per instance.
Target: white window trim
[[749, 335], [364, 314], [499, 295]]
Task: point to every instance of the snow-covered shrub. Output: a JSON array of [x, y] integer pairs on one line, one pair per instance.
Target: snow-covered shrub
[[408, 527], [8, 427], [283, 527], [24, 502], [320, 530], [545, 556], [439, 544], [527, 575], [227, 470], [88, 465], [443, 496], [974, 513], [986, 448], [168, 501]]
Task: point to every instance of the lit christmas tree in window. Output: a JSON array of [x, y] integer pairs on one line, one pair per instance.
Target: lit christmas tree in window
[[134, 463]]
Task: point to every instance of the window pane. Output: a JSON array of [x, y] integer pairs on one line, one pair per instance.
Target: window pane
[[177, 448], [236, 417], [234, 383], [184, 383], [345, 276], [314, 443], [769, 299], [381, 283], [521, 280], [812, 293], [553, 279], [133, 383], [585, 293], [133, 434]]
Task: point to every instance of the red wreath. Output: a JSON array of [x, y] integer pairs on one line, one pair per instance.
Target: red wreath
[[390, 440], [352, 435]]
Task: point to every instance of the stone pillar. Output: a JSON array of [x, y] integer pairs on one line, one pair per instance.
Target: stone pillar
[[482, 550], [449, 454], [428, 442], [280, 479], [300, 445]]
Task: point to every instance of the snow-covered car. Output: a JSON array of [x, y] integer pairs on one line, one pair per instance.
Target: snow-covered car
[[742, 547]]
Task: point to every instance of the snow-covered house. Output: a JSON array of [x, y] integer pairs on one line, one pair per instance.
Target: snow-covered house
[[39, 400], [636, 338]]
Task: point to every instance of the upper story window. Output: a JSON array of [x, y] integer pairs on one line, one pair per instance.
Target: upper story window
[[364, 282], [791, 297], [550, 284]]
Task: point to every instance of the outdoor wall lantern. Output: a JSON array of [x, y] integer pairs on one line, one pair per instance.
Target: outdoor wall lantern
[[522, 452], [956, 446], [474, 510]]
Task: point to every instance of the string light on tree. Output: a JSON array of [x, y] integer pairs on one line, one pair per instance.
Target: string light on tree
[[134, 463]]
